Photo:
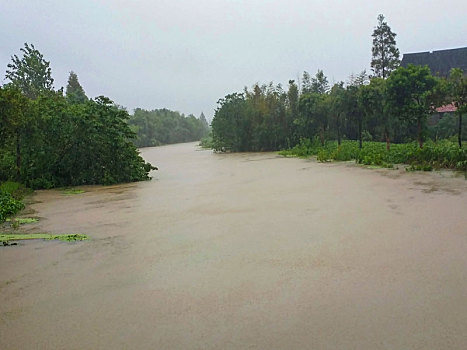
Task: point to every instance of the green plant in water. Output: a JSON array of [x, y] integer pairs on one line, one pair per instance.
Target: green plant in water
[[23, 221], [72, 191], [7, 237]]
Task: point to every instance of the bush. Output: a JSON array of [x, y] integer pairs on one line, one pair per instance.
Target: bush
[[443, 154], [8, 205]]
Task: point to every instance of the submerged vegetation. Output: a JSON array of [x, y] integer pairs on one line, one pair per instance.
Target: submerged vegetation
[[71, 191], [443, 154], [7, 237]]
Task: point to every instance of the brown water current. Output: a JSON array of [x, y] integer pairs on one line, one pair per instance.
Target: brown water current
[[244, 251]]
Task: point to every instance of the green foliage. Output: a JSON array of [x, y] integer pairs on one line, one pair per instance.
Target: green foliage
[[7, 237], [47, 140], [31, 73], [163, 126], [457, 91], [53, 143], [23, 221], [444, 154], [8, 205], [207, 142], [385, 55], [412, 93], [74, 90]]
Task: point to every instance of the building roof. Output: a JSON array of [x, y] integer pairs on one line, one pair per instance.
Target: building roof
[[446, 108], [440, 62]]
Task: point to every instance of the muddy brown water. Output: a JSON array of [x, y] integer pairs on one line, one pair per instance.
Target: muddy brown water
[[244, 251]]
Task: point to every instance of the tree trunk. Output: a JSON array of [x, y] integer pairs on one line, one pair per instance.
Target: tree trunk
[[419, 127], [388, 142], [321, 136], [459, 136], [18, 156], [338, 132], [360, 127]]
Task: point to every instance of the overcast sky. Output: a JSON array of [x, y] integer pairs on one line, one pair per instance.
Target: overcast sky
[[185, 55]]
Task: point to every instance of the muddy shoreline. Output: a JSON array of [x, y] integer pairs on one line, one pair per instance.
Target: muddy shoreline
[[240, 251]]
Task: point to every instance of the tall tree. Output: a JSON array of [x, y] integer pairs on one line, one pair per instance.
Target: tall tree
[[14, 118], [319, 83], [31, 73], [412, 95], [457, 83], [203, 120], [314, 112], [385, 54], [373, 101], [353, 101], [74, 90], [306, 83], [292, 109], [337, 108]]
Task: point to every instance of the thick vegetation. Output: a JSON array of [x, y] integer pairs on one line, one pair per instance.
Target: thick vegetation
[[163, 126], [48, 139], [442, 154], [396, 106]]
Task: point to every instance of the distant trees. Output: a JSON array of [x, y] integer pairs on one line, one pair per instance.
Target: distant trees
[[163, 126], [31, 73], [385, 54]]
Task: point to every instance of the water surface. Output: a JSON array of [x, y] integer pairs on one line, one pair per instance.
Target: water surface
[[240, 251]]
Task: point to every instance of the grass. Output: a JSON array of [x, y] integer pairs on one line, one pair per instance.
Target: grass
[[23, 221], [70, 191], [443, 154], [7, 237]]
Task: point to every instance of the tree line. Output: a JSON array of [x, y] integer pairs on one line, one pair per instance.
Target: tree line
[[392, 105], [163, 126]]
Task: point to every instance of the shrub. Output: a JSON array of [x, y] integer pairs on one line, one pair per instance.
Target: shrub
[[443, 154], [8, 205]]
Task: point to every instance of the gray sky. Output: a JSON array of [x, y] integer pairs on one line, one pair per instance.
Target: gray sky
[[185, 55]]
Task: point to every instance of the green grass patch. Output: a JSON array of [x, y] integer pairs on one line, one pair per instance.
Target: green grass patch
[[7, 237], [23, 221], [70, 191], [434, 155]]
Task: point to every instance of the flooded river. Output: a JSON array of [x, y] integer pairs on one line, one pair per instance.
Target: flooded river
[[244, 251]]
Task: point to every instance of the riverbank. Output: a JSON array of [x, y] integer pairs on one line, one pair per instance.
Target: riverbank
[[242, 251]]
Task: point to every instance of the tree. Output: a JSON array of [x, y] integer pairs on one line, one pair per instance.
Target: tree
[[292, 110], [373, 100], [411, 94], [14, 112], [337, 109], [314, 109], [203, 120], [74, 90], [31, 74], [231, 125], [319, 83], [385, 55], [306, 83], [457, 85], [353, 101]]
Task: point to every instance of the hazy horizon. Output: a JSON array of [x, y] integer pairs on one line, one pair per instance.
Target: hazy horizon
[[185, 55]]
